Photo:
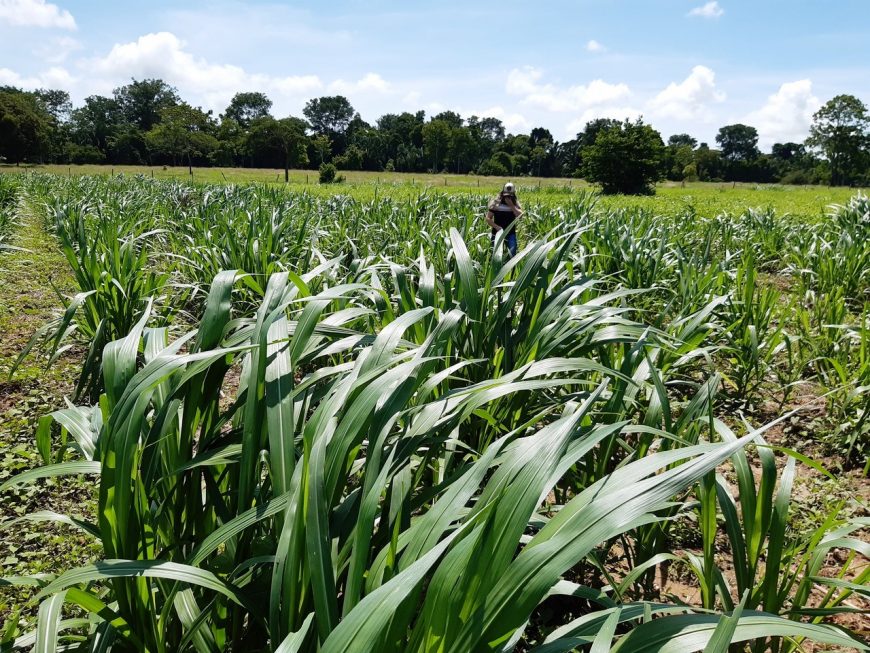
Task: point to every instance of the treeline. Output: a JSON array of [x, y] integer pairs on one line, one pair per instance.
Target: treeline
[[147, 122]]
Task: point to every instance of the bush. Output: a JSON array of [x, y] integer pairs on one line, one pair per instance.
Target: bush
[[328, 174], [492, 168], [80, 154], [797, 178]]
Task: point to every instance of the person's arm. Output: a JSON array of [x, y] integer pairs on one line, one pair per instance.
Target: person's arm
[[490, 220], [516, 208]]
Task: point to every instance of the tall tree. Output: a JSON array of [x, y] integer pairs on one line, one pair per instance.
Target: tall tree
[[143, 101], [451, 118], [322, 145], [738, 142], [247, 107], [329, 115], [94, 122], [57, 105], [286, 135], [625, 158], [540, 136], [461, 148], [184, 132], [739, 146], [708, 163], [678, 140], [788, 151], [840, 132], [56, 102], [25, 127], [590, 132], [436, 140]]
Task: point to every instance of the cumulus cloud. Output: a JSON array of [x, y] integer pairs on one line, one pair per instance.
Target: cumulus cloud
[[689, 99], [54, 77], [370, 82], [526, 82], [35, 13], [162, 55], [617, 113], [57, 50], [594, 46], [165, 56], [412, 98], [708, 10], [513, 122], [787, 114]]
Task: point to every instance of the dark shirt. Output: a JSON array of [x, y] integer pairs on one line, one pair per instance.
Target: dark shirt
[[503, 215]]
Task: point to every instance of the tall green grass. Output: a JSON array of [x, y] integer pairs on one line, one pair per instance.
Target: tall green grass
[[329, 424]]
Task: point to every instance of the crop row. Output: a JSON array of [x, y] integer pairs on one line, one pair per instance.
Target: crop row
[[320, 424]]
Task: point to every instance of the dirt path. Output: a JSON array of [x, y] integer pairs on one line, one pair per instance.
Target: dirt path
[[27, 301]]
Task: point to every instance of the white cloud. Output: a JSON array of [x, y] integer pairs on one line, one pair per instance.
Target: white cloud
[[371, 82], [709, 10], [526, 82], [55, 77], [690, 99], [594, 46], [512, 121], [523, 81], [163, 55], [433, 108], [35, 13], [617, 113], [57, 50], [787, 114], [412, 98]]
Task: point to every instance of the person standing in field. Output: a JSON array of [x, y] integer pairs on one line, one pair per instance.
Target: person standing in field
[[502, 213]]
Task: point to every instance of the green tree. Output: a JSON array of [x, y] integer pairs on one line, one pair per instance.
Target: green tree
[[95, 121], [739, 145], [183, 133], [373, 143], [678, 140], [539, 136], [247, 107], [708, 163], [25, 127], [738, 142], [541, 155], [56, 103], [788, 151], [142, 102], [436, 141], [231, 142], [128, 144], [286, 135], [451, 118], [840, 133], [329, 115], [461, 147], [322, 145], [402, 139], [538, 159], [625, 158]]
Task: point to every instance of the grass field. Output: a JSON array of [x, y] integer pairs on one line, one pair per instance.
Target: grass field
[[335, 418], [705, 198]]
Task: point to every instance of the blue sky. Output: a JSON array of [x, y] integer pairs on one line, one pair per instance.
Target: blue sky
[[684, 65]]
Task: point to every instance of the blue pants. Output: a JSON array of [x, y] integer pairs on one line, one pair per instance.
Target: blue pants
[[510, 240]]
